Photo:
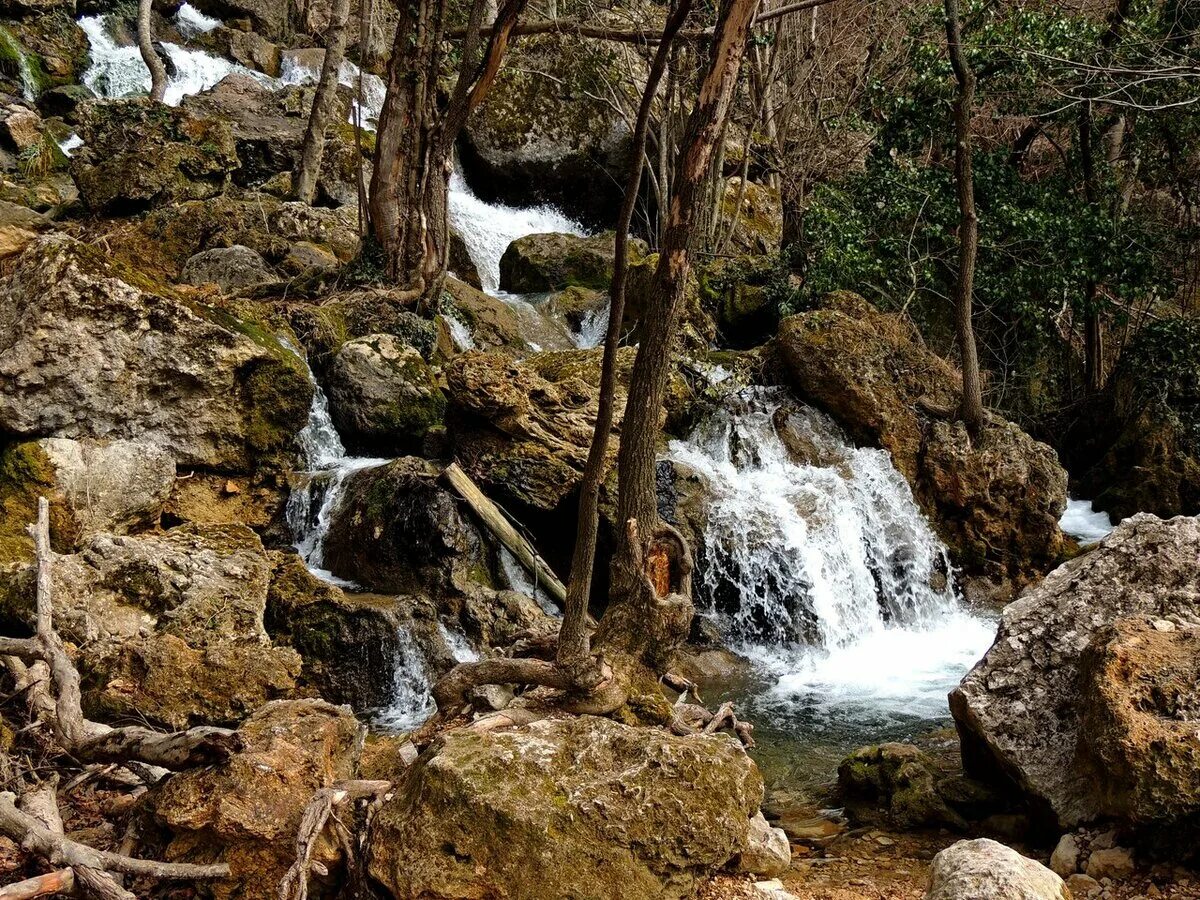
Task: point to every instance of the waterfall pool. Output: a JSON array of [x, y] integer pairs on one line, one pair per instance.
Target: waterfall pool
[[819, 568]]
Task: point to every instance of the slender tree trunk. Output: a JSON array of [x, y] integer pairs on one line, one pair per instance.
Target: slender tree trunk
[[415, 139], [158, 72], [968, 228], [650, 607], [574, 638], [308, 168], [1093, 327]]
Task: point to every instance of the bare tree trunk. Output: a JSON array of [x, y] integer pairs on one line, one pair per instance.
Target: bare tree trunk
[[1093, 328], [574, 640], [968, 228], [650, 606], [308, 168], [415, 139], [158, 72]]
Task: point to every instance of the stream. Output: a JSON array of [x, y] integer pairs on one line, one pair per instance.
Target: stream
[[817, 565]]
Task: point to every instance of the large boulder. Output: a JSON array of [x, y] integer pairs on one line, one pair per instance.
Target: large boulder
[[230, 268], [897, 784], [552, 139], [94, 351], [1085, 712], [93, 486], [575, 807], [268, 125], [246, 811], [383, 396], [524, 428], [170, 625], [995, 500], [138, 154], [974, 870], [539, 263]]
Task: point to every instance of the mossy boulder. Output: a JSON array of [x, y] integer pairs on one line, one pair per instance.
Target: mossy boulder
[[247, 810], [698, 329], [325, 327], [897, 785], [138, 155], [995, 499], [383, 396], [96, 350], [573, 807], [539, 263], [549, 138], [738, 292], [491, 323], [755, 214]]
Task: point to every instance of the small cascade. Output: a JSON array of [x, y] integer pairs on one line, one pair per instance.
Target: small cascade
[[374, 88], [412, 698], [1085, 523], [13, 48], [313, 503], [118, 71], [818, 565]]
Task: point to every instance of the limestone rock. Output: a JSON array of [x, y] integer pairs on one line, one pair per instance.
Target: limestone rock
[[524, 427], [972, 870], [92, 353], [1065, 858], [1024, 713], [383, 395], [1139, 702], [574, 807], [1083, 886], [231, 268], [246, 811], [995, 501], [757, 219], [170, 625], [138, 155], [397, 531], [768, 852], [491, 322], [1114, 862]]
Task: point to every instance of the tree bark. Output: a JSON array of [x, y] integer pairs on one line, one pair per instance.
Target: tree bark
[[650, 606], [415, 139], [574, 640], [308, 168], [158, 72], [968, 228]]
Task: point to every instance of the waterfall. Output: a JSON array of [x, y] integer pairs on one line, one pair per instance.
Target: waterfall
[[119, 71], [374, 88], [29, 87], [1085, 523], [412, 697], [818, 565]]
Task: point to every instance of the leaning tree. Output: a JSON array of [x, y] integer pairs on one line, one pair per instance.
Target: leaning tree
[[649, 607]]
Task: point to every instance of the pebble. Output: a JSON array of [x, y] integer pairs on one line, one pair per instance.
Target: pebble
[[1083, 885]]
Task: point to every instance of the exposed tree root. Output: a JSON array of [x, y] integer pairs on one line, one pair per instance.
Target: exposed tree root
[[44, 672], [294, 885]]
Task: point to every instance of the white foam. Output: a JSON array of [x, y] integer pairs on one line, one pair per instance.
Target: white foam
[[1085, 523], [191, 22]]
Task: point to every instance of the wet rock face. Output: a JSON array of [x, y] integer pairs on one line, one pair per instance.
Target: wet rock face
[[90, 354], [383, 396], [896, 784], [983, 868], [139, 155], [996, 501], [564, 806], [1090, 674], [247, 810]]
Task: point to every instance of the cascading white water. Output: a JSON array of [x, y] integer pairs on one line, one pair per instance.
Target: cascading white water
[[192, 23], [29, 86], [1085, 523], [374, 88], [412, 698], [118, 71], [819, 566]]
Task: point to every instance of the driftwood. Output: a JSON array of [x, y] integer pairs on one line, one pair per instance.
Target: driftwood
[[43, 670], [490, 515]]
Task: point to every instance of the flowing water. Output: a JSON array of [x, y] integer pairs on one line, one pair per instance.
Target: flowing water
[[818, 566], [1085, 523]]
